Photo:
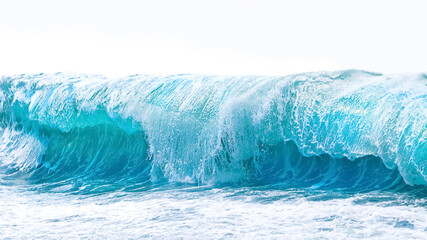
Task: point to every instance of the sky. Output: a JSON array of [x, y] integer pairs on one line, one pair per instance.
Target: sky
[[233, 37]]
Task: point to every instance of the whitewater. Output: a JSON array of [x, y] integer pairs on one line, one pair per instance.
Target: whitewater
[[319, 155]]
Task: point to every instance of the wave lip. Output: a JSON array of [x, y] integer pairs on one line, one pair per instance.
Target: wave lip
[[213, 129]]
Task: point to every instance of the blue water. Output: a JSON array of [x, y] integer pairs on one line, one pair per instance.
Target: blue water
[[313, 155]]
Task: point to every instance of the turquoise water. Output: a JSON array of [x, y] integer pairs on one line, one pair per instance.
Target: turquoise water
[[313, 155]]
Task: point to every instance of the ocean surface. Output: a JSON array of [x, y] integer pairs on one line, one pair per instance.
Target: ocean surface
[[322, 155]]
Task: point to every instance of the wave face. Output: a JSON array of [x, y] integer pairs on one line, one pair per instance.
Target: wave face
[[349, 129]]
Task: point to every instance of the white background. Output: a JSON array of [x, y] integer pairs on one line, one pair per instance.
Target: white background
[[212, 37]]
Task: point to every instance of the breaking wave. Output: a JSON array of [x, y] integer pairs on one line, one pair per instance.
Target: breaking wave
[[349, 129]]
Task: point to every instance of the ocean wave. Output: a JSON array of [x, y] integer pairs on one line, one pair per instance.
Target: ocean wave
[[341, 129]]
